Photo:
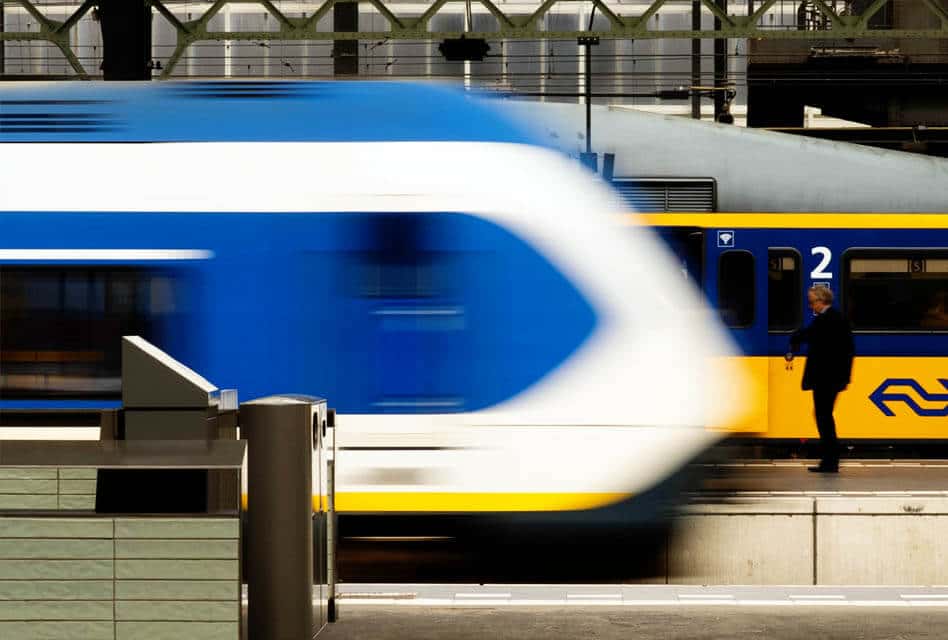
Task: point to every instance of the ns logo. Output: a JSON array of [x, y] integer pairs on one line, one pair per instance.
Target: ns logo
[[912, 394]]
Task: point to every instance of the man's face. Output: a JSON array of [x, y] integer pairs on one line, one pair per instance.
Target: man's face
[[816, 305]]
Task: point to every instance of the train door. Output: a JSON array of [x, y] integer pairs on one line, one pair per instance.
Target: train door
[[687, 243], [793, 267], [785, 314], [736, 283]]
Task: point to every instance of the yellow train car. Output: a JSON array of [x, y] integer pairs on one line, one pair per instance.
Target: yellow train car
[[889, 273]]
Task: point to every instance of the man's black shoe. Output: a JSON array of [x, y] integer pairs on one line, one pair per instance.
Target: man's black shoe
[[822, 469]]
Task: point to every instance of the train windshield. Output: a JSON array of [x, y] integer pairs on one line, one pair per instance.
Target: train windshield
[[59, 325]]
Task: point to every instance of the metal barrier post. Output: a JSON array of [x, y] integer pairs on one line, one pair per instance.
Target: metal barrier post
[[331, 528], [331, 543], [280, 440]]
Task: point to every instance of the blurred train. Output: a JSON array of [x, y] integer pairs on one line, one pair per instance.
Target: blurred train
[[776, 215], [495, 339]]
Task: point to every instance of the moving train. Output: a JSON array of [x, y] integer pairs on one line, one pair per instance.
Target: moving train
[[496, 340], [787, 213]]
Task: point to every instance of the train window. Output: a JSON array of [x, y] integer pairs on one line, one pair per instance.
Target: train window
[[687, 243], [425, 275], [60, 326], [736, 288], [784, 290], [896, 290], [395, 258]]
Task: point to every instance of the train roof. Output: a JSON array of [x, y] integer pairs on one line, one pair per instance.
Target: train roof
[[250, 111], [753, 170]]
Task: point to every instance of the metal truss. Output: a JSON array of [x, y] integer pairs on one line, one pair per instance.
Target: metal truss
[[51, 31], [840, 23]]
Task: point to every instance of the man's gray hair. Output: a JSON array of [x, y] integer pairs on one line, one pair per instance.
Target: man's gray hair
[[823, 293]]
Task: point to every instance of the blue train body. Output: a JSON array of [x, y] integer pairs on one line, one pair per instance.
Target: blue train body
[[383, 311], [456, 315], [251, 112]]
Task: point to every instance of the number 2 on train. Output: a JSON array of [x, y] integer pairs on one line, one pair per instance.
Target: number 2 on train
[[820, 273]]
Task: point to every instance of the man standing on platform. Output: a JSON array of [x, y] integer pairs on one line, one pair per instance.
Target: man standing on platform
[[829, 364]]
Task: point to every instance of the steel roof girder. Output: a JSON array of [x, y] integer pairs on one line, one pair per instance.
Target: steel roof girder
[[759, 13], [415, 32], [719, 13], [502, 18], [869, 12], [166, 13], [829, 12], [615, 19], [938, 10]]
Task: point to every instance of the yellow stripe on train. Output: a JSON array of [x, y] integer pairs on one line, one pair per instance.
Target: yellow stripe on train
[[791, 220], [461, 502]]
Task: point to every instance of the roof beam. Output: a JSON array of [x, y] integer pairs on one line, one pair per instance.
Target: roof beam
[[510, 26]]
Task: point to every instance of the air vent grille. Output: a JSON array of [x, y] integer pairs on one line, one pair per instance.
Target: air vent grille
[[651, 195]]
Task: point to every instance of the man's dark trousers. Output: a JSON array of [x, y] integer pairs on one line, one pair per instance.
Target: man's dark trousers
[[823, 400]]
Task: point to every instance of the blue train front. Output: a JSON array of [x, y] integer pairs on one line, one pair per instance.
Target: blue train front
[[496, 339]]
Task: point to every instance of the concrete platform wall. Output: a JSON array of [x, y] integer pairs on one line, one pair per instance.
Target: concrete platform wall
[[47, 488], [103, 578], [892, 540]]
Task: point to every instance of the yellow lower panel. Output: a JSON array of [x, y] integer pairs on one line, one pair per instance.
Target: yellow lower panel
[[740, 391], [790, 411], [405, 501]]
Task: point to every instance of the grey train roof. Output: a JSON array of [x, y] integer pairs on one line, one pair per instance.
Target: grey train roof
[[755, 170]]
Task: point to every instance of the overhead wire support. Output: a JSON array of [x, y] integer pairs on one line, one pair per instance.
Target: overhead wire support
[[587, 43], [509, 27]]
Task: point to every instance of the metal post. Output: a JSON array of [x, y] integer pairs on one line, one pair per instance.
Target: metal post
[[345, 17], [332, 528], [588, 158], [3, 43], [587, 42], [279, 434], [468, 27], [331, 542], [588, 91], [109, 425], [695, 60], [126, 39], [228, 44], [720, 65]]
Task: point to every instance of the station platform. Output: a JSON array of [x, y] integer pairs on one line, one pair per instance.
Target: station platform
[[856, 477], [521, 612], [625, 595], [774, 522], [762, 522]]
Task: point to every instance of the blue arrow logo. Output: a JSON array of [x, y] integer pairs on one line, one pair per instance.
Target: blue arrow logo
[[882, 395]]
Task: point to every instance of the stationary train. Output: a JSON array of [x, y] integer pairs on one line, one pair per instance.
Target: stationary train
[[889, 273], [495, 338], [788, 213]]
